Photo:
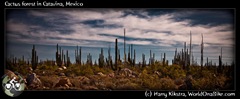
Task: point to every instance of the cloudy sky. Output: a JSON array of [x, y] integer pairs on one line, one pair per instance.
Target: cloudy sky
[[159, 30]]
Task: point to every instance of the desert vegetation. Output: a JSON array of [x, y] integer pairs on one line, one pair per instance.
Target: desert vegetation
[[123, 74]]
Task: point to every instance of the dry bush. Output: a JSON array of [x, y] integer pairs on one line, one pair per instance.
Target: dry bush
[[49, 81]]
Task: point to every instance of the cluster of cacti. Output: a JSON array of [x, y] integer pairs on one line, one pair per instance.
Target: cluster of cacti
[[78, 56], [61, 58], [151, 58], [109, 60], [183, 58], [186, 59], [58, 57], [130, 55], [143, 61], [34, 58], [14, 60], [101, 59], [89, 59]]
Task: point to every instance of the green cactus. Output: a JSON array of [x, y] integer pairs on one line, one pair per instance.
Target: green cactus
[[220, 64], [202, 53], [164, 59], [134, 60], [58, 57], [34, 58], [116, 53], [101, 59], [143, 61], [89, 59]]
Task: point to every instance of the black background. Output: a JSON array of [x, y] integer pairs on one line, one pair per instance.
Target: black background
[[206, 4]]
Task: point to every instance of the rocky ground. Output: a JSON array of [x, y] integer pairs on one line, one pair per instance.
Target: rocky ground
[[123, 79]]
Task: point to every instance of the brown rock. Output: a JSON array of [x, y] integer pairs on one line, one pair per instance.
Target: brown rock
[[63, 82], [62, 74], [111, 75], [33, 81], [101, 74]]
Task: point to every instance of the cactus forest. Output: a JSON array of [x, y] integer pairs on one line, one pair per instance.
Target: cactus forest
[[147, 51]]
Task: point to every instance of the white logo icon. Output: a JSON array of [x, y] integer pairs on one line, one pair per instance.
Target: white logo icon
[[13, 84]]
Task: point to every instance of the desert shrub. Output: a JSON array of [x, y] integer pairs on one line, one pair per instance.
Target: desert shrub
[[128, 86], [167, 84], [175, 72], [49, 81], [85, 70], [48, 67]]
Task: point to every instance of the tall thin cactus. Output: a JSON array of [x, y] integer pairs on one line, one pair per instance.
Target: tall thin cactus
[[153, 58], [124, 47], [220, 64], [184, 56], [34, 58], [129, 57], [131, 53], [68, 59], [164, 59], [58, 57], [80, 56], [190, 49], [207, 62], [143, 61], [134, 60], [116, 53], [202, 53], [101, 59], [109, 60], [119, 57]]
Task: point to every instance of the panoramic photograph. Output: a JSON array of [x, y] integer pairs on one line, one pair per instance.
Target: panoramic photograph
[[121, 49]]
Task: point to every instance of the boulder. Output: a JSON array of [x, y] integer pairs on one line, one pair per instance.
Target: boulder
[[101, 74], [33, 81], [64, 82], [60, 69], [111, 75], [84, 80], [62, 74], [125, 72], [64, 67]]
